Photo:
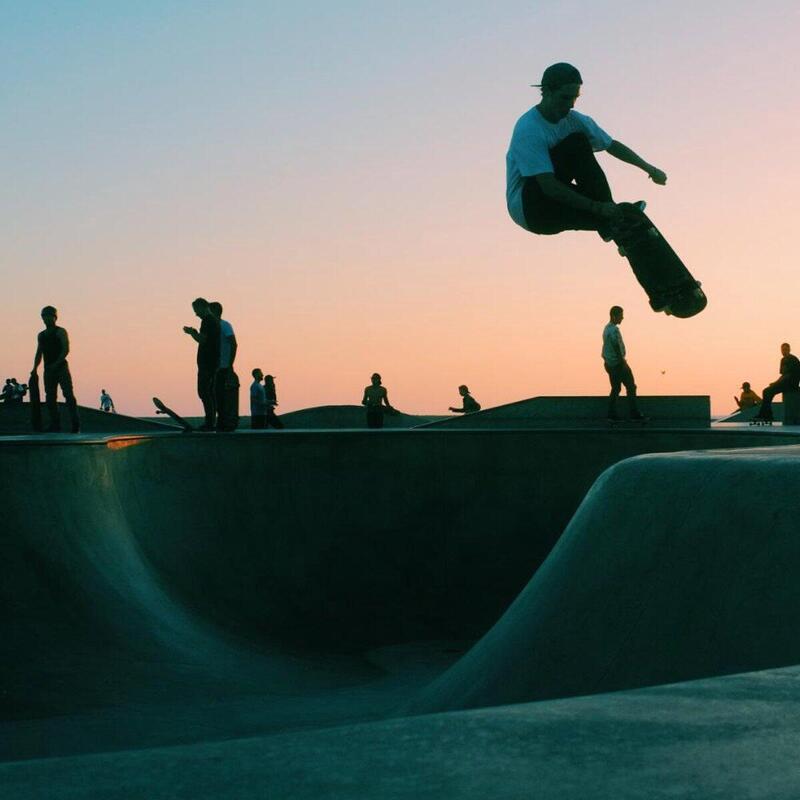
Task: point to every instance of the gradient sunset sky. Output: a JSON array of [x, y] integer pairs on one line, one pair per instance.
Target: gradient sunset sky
[[334, 174]]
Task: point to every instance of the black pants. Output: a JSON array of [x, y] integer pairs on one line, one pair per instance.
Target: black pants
[[375, 417], [576, 167], [205, 391], [258, 421], [53, 378], [272, 420], [620, 375], [784, 384]]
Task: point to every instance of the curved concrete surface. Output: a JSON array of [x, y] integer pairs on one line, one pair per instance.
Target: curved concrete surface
[[674, 567], [720, 739], [170, 588]]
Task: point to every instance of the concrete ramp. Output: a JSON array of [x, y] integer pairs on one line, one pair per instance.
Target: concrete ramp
[[333, 417], [675, 411], [675, 566]]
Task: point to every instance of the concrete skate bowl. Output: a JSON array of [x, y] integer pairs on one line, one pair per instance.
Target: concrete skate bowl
[[674, 567], [176, 571]]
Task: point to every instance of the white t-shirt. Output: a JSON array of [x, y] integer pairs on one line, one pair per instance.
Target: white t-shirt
[[613, 346], [529, 151], [258, 399], [225, 331]]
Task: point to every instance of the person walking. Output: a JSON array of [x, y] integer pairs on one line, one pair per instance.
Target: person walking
[[619, 373]]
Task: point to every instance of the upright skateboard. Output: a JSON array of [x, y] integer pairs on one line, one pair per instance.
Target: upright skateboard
[[162, 409], [670, 287], [36, 402]]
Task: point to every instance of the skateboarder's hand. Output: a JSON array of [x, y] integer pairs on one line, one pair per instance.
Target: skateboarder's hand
[[187, 329], [657, 176]]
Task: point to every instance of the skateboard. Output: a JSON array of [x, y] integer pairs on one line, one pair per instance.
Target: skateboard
[[162, 409], [36, 402], [670, 287]]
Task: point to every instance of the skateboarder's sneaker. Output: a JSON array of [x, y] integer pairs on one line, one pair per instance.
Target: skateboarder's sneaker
[[637, 416], [684, 300]]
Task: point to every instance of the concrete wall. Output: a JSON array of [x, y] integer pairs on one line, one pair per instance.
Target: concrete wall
[[324, 539], [671, 411]]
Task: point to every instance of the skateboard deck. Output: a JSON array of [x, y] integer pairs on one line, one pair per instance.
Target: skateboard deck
[[669, 285], [36, 402], [162, 409]]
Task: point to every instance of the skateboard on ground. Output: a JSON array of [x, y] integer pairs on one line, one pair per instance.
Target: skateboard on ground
[[670, 287], [36, 402], [162, 409]]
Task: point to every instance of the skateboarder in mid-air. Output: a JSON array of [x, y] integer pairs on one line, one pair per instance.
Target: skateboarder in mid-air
[[554, 184]]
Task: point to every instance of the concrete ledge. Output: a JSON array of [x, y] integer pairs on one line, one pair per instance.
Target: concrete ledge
[[664, 411]]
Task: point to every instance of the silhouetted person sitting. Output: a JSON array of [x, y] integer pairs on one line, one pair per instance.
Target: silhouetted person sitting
[[7, 395], [376, 399], [106, 403], [258, 401], [789, 381], [748, 398], [226, 380], [53, 347], [619, 373], [207, 339], [469, 404], [271, 399], [553, 180]]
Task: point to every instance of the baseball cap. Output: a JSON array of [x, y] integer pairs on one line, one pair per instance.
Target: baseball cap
[[558, 75]]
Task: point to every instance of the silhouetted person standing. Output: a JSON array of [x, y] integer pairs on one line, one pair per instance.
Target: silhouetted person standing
[[106, 403], [271, 400], [258, 401], [748, 399], [207, 339], [469, 405], [376, 399], [789, 381], [553, 180], [226, 383], [53, 347], [619, 373]]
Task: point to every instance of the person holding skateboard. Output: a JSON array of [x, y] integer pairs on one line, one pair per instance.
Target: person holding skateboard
[[53, 347], [619, 373], [789, 381], [207, 339]]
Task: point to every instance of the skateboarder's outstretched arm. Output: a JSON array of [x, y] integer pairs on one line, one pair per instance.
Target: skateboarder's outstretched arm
[[624, 153]]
